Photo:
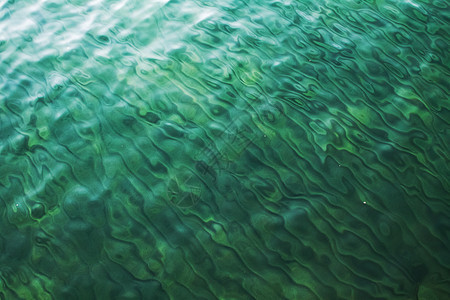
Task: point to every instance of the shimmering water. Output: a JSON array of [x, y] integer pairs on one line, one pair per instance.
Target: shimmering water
[[224, 149]]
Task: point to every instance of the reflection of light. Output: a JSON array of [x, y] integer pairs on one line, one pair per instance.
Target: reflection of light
[[171, 36], [413, 4]]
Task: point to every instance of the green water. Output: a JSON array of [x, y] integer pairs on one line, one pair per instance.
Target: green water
[[224, 149]]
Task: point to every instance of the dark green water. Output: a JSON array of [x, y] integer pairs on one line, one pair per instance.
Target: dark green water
[[224, 149]]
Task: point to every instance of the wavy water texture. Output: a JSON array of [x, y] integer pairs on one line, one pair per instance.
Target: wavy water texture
[[224, 150]]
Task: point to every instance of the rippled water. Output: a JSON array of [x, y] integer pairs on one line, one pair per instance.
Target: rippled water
[[224, 149]]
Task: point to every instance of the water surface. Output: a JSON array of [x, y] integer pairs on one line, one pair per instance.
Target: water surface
[[224, 149]]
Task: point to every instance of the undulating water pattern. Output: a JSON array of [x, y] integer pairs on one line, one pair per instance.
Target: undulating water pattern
[[200, 149]]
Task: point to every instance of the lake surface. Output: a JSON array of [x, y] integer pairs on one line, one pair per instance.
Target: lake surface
[[224, 149]]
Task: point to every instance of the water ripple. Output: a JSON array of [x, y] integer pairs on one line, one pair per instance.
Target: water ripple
[[189, 149]]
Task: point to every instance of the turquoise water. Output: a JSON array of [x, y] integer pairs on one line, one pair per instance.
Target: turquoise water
[[224, 149]]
